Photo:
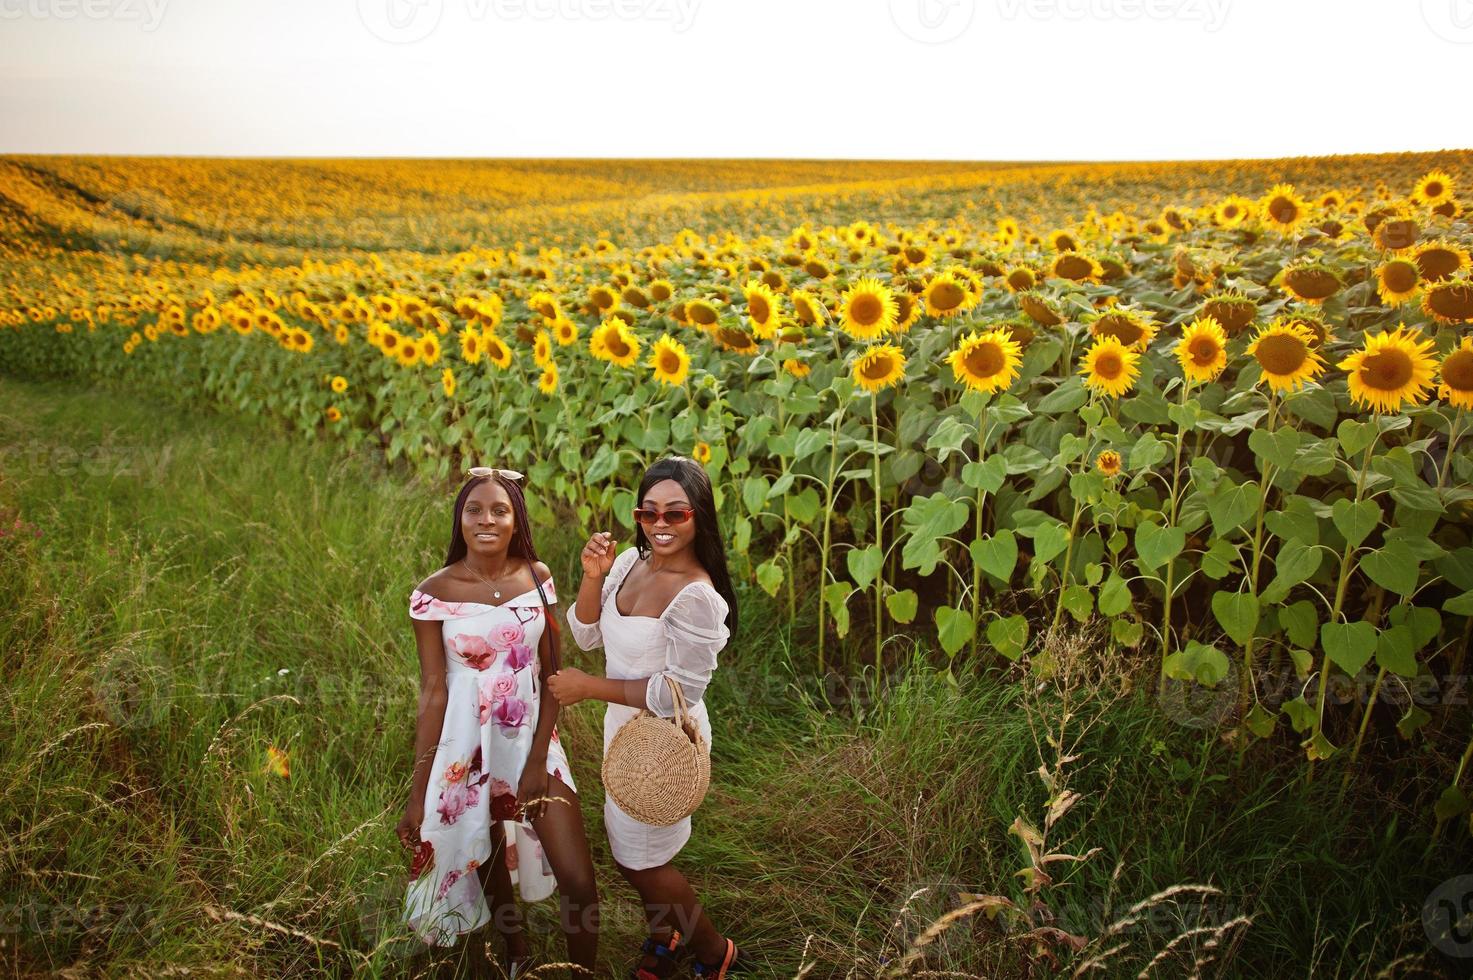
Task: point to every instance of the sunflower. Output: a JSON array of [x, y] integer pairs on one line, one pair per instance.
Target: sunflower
[[636, 297], [333, 413], [1040, 309], [735, 339], [429, 347], [1286, 356], [603, 299], [670, 361], [701, 453], [880, 366], [1076, 267], [1281, 209], [447, 382], [613, 342], [1397, 281], [1312, 282], [541, 348], [1391, 370], [945, 295], [1456, 375], [796, 368], [1449, 301], [986, 361], [546, 304], [407, 353], [1133, 328], [762, 308], [1109, 367], [661, 290], [1231, 212], [1233, 311], [1020, 279], [1434, 188], [1395, 234], [1440, 260], [497, 352], [1202, 349], [868, 309], [701, 312], [339, 384], [1063, 241], [907, 311], [1108, 463], [564, 331], [808, 308], [547, 382]]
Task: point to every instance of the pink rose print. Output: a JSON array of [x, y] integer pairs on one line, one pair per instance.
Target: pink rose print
[[510, 714], [504, 635], [519, 656], [493, 691], [455, 799], [474, 650], [450, 879], [498, 787]]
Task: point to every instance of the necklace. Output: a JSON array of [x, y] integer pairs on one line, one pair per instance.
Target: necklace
[[495, 592]]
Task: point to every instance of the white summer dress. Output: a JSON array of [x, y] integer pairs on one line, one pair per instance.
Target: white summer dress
[[491, 710], [683, 642]]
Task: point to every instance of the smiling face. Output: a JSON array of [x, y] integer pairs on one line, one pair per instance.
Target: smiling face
[[486, 520], [666, 538]]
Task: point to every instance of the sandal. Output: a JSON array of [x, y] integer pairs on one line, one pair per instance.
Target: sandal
[[730, 962], [661, 960]]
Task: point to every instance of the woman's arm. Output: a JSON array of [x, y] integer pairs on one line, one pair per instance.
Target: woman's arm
[[547, 704], [583, 618]]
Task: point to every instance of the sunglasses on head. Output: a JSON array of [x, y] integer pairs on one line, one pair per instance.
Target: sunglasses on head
[[675, 515]]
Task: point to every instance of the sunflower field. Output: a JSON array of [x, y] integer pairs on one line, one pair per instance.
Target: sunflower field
[[949, 408]]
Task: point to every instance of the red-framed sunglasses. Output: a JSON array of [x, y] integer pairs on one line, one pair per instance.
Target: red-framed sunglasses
[[675, 515]]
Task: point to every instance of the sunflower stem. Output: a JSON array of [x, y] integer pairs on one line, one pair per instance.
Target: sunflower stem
[[874, 418], [1347, 565], [1452, 444], [977, 532], [1247, 689], [1171, 522]]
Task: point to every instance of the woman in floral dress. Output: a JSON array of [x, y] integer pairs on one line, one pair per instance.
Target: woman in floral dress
[[661, 609], [492, 790]]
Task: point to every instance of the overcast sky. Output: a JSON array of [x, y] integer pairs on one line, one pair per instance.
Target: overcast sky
[[909, 79]]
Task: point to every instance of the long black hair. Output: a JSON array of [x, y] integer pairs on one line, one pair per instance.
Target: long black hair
[[710, 551], [520, 546]]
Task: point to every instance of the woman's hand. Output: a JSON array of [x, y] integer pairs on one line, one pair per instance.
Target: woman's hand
[[532, 789], [568, 686], [409, 824], [598, 554]]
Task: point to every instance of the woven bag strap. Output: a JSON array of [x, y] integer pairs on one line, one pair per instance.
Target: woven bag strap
[[682, 716]]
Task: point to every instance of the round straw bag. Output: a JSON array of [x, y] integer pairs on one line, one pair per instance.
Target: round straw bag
[[657, 769]]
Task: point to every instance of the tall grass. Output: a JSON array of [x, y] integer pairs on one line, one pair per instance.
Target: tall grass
[[184, 590]]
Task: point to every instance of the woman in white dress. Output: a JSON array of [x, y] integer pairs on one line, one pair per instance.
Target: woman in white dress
[[663, 608], [492, 791]]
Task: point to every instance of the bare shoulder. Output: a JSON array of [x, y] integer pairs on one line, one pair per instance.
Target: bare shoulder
[[437, 581], [543, 572]]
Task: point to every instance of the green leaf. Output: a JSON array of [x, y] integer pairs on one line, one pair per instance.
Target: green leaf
[[1414, 719], [1396, 651], [1451, 803], [802, 506], [902, 605], [864, 564], [754, 493], [1067, 397], [950, 436], [1079, 601], [926, 521], [1009, 636], [1301, 714], [1295, 563], [1355, 436], [1301, 622], [1355, 520], [770, 577], [1349, 645], [1050, 538], [1260, 721], [1393, 570], [1232, 505], [1280, 447], [1127, 632], [1237, 612], [1424, 623], [987, 475], [954, 627], [1220, 560], [1114, 597], [1156, 545], [1147, 452], [1196, 662], [1461, 605], [837, 594], [997, 554], [1318, 748]]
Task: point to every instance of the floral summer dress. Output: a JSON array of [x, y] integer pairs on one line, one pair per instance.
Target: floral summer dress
[[683, 642], [491, 709]]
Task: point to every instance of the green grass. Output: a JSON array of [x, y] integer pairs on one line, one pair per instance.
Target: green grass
[[184, 559]]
